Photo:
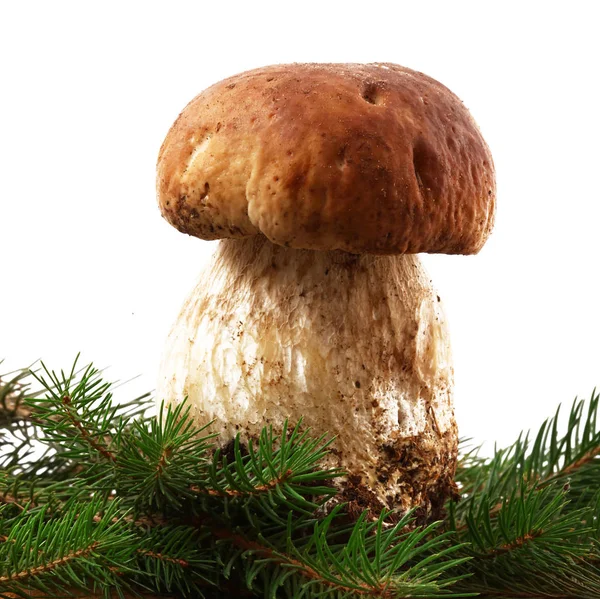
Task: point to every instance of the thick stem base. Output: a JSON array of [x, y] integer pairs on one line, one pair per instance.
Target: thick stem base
[[355, 345]]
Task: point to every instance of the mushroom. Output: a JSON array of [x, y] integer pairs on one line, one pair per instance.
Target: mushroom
[[324, 181]]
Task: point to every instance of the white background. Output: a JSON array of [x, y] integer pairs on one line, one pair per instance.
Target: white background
[[89, 90]]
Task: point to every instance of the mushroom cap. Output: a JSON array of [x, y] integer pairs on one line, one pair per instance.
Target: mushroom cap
[[366, 158]]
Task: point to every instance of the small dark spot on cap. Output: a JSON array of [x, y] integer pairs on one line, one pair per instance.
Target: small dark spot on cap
[[357, 384], [371, 93]]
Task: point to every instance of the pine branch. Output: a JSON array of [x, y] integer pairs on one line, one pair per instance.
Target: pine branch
[[43, 553], [78, 412], [571, 459], [24, 458], [176, 559], [272, 472], [375, 559], [531, 512], [144, 505]]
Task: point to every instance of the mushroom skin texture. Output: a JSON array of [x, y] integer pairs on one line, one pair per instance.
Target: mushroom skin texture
[[355, 345]]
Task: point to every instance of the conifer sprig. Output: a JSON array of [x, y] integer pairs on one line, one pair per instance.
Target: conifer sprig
[[529, 515], [86, 548], [375, 559], [571, 458], [123, 503]]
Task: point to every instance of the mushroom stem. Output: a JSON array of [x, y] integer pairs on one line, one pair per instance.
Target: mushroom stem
[[356, 345]]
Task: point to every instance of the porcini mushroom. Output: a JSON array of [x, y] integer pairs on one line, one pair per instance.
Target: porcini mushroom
[[323, 181]]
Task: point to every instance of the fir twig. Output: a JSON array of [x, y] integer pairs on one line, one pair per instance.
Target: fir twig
[[120, 503]]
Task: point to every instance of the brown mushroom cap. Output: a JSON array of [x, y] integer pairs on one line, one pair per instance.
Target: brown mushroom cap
[[372, 158]]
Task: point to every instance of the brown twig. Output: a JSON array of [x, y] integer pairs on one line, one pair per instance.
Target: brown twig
[[586, 458], [50, 565], [6, 498], [164, 558], [516, 544], [162, 462], [235, 493], [66, 400]]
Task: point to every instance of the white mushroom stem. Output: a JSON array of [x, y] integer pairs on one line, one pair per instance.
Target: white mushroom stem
[[355, 345]]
